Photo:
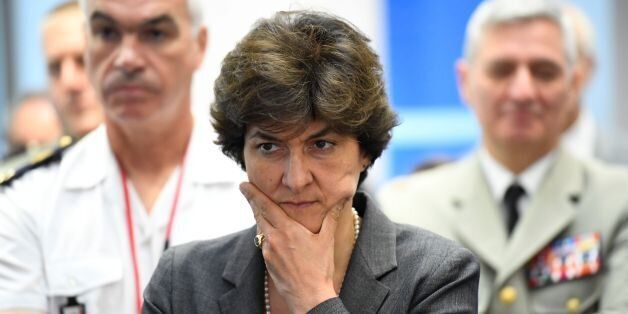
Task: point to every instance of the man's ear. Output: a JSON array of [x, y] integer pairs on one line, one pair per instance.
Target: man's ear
[[579, 78], [462, 78], [201, 44]]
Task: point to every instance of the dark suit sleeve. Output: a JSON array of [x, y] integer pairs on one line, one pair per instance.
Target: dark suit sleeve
[[333, 305], [457, 278], [158, 294]]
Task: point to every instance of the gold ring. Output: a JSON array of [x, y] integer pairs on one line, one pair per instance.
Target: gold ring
[[259, 240]]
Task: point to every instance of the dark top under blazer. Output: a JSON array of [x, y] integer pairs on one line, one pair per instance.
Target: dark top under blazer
[[394, 268]]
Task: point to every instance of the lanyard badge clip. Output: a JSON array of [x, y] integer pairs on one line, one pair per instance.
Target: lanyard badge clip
[[72, 307]]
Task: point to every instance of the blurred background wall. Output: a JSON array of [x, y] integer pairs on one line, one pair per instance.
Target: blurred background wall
[[418, 40]]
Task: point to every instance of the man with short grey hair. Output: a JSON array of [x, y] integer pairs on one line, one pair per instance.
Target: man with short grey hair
[[63, 43], [77, 107], [583, 136], [195, 11], [550, 230], [83, 230]]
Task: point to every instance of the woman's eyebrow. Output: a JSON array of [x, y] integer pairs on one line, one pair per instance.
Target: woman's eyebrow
[[326, 130], [269, 137], [263, 135]]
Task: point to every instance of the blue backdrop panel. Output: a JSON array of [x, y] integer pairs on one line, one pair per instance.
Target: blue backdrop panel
[[406, 159], [425, 41]]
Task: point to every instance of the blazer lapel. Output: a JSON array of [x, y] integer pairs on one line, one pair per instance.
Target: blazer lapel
[[550, 211], [479, 225], [373, 257], [245, 270]]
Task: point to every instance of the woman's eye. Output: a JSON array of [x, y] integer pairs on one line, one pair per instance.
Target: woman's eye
[[267, 147], [322, 144]]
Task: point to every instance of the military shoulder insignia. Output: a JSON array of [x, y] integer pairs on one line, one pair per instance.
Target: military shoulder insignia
[[566, 259], [43, 158]]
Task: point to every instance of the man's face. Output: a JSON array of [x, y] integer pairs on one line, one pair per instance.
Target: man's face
[[34, 123], [73, 95], [141, 57], [519, 85]]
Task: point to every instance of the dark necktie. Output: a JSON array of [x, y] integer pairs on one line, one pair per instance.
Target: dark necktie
[[511, 200]]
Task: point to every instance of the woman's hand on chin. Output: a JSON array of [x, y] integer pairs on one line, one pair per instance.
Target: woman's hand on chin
[[299, 262]]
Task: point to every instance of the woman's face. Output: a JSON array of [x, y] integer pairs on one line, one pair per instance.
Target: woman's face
[[307, 174]]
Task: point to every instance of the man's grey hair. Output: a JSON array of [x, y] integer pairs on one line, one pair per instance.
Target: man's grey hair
[[584, 33], [195, 8], [491, 13]]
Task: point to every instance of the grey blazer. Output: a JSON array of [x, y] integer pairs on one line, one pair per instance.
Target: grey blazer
[[393, 269]]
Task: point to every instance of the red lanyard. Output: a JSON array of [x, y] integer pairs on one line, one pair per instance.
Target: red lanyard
[[129, 225]]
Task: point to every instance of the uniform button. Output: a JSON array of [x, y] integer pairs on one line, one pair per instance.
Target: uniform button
[[7, 175], [65, 141], [508, 295], [573, 305]]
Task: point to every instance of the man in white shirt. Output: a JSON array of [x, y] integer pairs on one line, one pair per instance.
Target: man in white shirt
[[550, 230], [583, 136], [76, 106], [63, 43], [84, 231], [580, 133], [33, 128]]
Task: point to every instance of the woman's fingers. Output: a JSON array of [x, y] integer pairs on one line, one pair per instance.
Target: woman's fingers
[[300, 263], [331, 218], [263, 206]]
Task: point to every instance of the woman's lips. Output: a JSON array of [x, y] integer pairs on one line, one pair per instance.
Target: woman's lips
[[297, 205]]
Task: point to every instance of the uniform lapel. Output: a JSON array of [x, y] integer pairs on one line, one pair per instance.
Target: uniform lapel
[[550, 211], [245, 270], [373, 256], [479, 225]]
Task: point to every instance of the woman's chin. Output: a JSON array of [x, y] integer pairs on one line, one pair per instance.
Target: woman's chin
[[307, 219]]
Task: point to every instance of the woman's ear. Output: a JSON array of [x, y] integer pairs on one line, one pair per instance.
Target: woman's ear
[[365, 161]]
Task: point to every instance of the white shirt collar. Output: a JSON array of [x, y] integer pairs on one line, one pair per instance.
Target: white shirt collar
[[499, 178]]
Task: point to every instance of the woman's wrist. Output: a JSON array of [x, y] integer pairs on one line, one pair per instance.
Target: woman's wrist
[[314, 300]]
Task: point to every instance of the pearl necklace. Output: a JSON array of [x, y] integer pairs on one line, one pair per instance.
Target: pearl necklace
[[356, 232]]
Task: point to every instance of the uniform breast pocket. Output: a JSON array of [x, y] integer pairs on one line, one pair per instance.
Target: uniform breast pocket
[[94, 282], [575, 296]]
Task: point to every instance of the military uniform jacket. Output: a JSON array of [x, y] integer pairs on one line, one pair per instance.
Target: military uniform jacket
[[63, 231], [575, 198]]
